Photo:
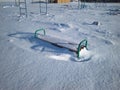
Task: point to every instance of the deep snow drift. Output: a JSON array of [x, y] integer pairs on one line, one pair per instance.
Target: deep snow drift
[[27, 63]]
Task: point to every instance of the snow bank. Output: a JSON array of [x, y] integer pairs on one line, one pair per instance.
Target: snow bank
[[27, 63]]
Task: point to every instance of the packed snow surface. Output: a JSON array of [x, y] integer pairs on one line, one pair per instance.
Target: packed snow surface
[[28, 63]]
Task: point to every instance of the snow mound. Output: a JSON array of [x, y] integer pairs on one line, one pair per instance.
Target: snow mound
[[84, 52], [96, 23], [63, 57], [8, 6], [85, 55]]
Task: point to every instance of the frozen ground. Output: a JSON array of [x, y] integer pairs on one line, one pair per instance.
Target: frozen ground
[[27, 63]]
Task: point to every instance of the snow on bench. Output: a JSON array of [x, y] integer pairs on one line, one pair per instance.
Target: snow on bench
[[59, 42]]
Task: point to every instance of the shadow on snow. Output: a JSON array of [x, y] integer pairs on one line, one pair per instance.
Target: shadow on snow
[[37, 44]]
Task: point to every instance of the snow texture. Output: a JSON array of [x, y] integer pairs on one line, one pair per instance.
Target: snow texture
[[27, 63]]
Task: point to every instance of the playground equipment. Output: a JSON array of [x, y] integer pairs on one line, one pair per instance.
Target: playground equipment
[[22, 7], [43, 6], [16, 2], [72, 46], [100, 3], [81, 4]]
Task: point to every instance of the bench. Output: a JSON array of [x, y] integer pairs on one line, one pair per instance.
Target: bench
[[72, 46]]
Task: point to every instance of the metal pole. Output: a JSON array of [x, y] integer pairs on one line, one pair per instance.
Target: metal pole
[[25, 8], [78, 4], [15, 2], [19, 7], [46, 6], [40, 5]]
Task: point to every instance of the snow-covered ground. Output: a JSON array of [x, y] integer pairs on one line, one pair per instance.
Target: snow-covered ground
[[27, 63]]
